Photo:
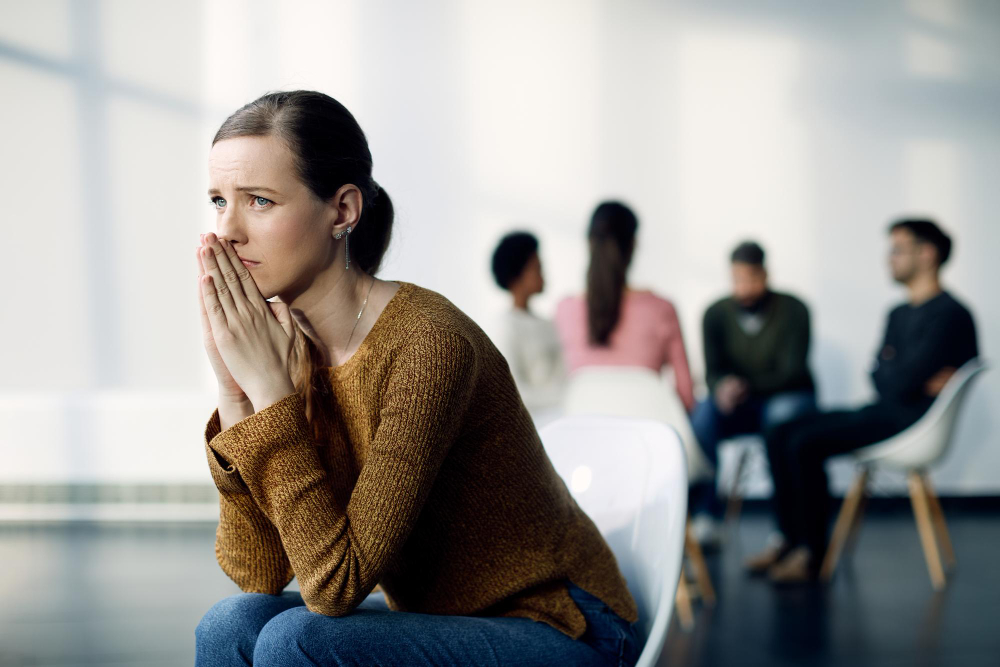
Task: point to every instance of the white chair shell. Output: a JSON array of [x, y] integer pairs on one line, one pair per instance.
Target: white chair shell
[[627, 391], [629, 476]]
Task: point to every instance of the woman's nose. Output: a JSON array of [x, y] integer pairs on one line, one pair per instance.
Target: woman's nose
[[229, 227]]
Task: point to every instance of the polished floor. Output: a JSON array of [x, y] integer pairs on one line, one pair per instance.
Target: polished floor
[[113, 595]]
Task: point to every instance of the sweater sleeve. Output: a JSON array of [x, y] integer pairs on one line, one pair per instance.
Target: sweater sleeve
[[339, 553], [536, 364], [247, 545], [792, 358]]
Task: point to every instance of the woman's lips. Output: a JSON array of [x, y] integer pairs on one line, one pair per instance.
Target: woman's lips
[[249, 263]]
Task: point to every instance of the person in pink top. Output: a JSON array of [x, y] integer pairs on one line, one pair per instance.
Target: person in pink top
[[613, 325]]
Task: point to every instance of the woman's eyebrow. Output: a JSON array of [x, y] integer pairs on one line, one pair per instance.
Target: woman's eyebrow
[[246, 188]]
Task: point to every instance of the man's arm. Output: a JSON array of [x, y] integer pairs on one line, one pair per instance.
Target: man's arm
[[903, 372]]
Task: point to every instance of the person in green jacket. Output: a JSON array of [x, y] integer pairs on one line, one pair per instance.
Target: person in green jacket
[[756, 345]]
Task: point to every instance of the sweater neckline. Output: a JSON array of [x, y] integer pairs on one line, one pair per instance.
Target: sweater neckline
[[766, 313], [382, 322]]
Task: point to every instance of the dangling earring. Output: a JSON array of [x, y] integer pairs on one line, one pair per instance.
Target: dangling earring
[[347, 246]]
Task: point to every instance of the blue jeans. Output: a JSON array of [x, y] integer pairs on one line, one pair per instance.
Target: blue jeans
[[259, 629], [756, 415]]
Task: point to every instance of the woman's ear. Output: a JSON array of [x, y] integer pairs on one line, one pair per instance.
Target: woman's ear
[[346, 206]]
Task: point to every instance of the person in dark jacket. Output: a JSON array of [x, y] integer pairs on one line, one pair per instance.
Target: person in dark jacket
[[756, 342], [926, 340]]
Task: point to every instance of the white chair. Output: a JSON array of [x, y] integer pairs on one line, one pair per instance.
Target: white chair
[[628, 475], [638, 392], [626, 391], [911, 451]]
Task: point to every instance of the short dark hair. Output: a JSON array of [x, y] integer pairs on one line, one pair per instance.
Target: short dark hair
[[926, 231], [512, 255], [748, 252]]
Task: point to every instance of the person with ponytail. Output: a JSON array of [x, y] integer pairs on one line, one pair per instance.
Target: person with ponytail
[[368, 434], [614, 325]]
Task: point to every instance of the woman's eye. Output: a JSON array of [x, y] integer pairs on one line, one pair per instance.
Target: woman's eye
[[218, 202], [262, 202]]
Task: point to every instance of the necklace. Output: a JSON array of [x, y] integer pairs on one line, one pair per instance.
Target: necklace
[[348, 346]]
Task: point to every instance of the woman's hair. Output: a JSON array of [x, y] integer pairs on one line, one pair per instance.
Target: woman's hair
[[511, 256], [330, 151], [612, 239]]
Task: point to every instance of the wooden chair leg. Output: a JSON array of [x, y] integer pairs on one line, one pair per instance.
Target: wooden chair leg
[[922, 513], [859, 513], [735, 501], [701, 574], [941, 528], [846, 524], [685, 615]]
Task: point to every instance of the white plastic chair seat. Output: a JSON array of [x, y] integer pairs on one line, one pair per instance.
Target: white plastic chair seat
[[926, 441], [629, 476], [635, 392]]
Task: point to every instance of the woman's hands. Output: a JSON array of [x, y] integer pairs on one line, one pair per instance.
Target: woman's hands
[[248, 339], [228, 389]]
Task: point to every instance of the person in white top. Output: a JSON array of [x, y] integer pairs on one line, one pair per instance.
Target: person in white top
[[528, 342]]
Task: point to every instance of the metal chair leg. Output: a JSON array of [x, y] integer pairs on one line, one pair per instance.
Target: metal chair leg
[[735, 502]]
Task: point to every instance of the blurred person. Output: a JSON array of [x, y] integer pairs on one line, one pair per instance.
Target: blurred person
[[926, 339], [528, 342], [613, 324], [756, 344], [369, 433]]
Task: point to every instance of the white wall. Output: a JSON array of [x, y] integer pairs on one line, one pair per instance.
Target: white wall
[[805, 126]]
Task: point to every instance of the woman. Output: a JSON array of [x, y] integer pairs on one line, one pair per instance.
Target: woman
[[528, 342], [368, 433], [613, 325]]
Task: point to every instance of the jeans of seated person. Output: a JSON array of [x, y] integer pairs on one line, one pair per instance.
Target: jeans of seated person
[[754, 416], [263, 630]]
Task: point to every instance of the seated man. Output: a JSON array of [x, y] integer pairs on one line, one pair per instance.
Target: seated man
[[926, 340], [528, 342], [756, 342]]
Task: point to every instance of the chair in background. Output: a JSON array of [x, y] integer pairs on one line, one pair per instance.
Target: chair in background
[[750, 447], [635, 392], [629, 476], [912, 451]]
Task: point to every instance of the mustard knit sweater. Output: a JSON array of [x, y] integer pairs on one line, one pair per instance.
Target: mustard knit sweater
[[430, 480]]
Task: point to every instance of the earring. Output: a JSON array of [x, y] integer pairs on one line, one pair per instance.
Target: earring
[[347, 246]]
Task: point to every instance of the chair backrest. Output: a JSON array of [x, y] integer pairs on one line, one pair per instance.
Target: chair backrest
[[638, 392], [628, 475], [927, 440]]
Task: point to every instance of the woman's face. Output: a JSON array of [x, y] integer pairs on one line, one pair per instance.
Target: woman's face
[[280, 230]]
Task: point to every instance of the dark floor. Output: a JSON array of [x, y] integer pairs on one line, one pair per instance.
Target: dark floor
[[110, 595]]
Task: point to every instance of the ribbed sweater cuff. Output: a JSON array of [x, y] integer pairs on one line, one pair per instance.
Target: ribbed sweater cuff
[[251, 443], [225, 475]]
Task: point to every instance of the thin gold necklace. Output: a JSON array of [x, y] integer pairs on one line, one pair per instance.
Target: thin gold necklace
[[358, 320]]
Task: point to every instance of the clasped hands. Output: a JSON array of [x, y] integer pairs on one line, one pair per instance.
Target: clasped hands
[[248, 339]]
